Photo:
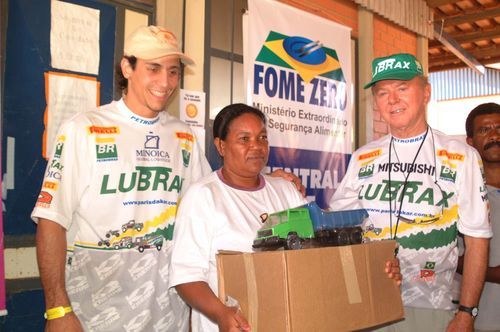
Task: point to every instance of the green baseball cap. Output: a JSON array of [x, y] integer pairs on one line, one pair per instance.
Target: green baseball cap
[[401, 66]]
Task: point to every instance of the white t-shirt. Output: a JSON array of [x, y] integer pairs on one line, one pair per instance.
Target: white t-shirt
[[113, 181], [445, 182], [214, 216], [489, 304]]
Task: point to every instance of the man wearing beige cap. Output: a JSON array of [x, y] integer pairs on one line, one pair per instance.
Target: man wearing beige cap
[[420, 187], [107, 206]]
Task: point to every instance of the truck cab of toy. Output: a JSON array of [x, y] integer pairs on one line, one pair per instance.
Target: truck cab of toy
[[289, 228]]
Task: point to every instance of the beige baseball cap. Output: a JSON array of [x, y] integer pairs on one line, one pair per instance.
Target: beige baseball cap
[[152, 42]]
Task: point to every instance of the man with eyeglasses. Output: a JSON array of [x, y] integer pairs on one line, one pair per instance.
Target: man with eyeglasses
[[483, 133], [420, 187]]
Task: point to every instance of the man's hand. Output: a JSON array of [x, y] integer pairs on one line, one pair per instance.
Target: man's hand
[[232, 320], [462, 322], [68, 323], [292, 178], [393, 271]]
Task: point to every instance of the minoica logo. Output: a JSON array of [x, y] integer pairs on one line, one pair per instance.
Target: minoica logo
[[308, 62]]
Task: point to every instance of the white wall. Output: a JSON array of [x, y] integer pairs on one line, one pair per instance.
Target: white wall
[[449, 116]]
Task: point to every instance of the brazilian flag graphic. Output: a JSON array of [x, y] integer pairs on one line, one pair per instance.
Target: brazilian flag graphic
[[308, 58]]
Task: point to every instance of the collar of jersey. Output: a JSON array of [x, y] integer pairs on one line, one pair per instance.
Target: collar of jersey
[[409, 140], [134, 117]]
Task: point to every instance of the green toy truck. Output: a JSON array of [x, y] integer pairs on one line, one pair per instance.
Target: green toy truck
[[292, 227]]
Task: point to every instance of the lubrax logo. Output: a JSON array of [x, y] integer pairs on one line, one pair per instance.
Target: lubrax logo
[[415, 193], [143, 179], [391, 64]]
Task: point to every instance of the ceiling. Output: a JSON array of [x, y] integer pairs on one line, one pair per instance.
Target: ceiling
[[473, 25]]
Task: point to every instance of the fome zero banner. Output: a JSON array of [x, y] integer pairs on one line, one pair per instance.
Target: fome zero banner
[[298, 72]]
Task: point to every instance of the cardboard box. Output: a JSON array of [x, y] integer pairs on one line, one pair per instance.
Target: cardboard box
[[317, 289]]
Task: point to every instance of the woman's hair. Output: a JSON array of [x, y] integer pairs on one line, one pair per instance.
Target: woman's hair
[[120, 80], [228, 114]]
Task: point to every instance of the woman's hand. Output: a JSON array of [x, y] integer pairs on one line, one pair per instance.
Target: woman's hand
[[292, 178], [393, 271], [232, 320]]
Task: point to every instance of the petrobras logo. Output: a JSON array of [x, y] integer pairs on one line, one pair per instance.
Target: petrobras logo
[[106, 149], [448, 174], [186, 156], [366, 171], [151, 150], [144, 121], [300, 69]]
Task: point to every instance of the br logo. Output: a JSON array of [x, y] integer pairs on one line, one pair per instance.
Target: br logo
[[106, 151], [366, 171], [448, 174], [186, 155]]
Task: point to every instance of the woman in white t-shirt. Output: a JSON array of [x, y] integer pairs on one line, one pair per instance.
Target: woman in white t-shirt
[[222, 211]]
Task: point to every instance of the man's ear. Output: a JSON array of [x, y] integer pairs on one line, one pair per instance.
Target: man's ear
[[427, 93], [220, 146], [126, 68], [469, 141]]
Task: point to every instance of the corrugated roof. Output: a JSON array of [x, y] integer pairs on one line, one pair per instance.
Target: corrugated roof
[[464, 83]]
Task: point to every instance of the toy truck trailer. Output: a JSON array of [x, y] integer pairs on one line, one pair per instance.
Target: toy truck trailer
[[289, 228]]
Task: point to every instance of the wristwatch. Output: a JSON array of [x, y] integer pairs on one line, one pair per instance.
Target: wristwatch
[[473, 311]]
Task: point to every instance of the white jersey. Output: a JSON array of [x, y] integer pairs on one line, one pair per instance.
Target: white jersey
[[214, 216], [113, 181], [444, 192], [489, 304]]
